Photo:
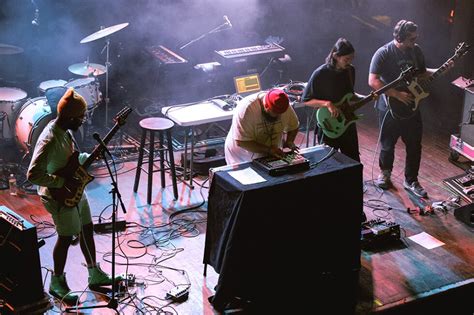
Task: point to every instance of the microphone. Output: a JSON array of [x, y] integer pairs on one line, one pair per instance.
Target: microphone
[[96, 136], [35, 21], [227, 21]]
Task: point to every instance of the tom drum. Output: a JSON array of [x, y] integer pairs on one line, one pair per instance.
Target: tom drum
[[10, 101], [87, 88], [45, 85]]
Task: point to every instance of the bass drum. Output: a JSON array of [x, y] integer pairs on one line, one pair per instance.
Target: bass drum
[[33, 117]]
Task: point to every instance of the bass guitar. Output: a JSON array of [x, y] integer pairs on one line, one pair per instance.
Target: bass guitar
[[75, 174], [417, 88], [334, 127]]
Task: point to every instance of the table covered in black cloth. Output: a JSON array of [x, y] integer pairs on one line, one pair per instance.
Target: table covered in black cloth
[[268, 241]]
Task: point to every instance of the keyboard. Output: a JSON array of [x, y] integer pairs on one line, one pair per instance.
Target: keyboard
[[165, 55], [242, 54]]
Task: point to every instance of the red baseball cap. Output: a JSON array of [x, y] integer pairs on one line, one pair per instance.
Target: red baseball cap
[[277, 101]]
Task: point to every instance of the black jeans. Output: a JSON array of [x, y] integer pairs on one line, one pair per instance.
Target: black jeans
[[411, 131], [347, 143]]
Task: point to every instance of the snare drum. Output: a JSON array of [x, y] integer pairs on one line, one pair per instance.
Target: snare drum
[[88, 88], [34, 115], [45, 85], [10, 101]]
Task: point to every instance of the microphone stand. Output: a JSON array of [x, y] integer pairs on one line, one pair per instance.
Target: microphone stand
[[214, 30], [113, 303]]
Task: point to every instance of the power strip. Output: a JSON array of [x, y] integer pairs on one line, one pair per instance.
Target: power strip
[[178, 294], [120, 226]]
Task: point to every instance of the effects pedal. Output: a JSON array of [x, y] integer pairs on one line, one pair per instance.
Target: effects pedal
[[467, 180], [378, 231], [128, 279], [178, 293]]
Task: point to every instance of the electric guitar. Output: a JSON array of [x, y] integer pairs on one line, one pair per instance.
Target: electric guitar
[[334, 127], [75, 175], [401, 110]]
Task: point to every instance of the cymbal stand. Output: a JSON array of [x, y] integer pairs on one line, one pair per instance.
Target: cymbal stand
[[107, 65]]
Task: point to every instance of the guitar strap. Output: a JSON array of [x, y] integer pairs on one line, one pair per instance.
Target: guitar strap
[[351, 79], [415, 59], [76, 146]]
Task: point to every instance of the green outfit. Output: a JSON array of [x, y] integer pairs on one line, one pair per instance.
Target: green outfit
[[52, 152]]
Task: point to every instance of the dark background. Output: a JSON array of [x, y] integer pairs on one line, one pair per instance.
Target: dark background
[[307, 29]]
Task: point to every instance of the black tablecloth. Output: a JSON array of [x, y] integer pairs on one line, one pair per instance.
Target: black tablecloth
[[263, 238]]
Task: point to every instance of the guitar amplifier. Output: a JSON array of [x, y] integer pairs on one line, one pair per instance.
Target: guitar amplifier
[[20, 269]]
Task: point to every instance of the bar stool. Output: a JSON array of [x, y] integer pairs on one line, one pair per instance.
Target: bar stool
[[152, 125]]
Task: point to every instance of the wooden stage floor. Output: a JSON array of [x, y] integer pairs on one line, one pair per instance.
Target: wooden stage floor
[[163, 243]]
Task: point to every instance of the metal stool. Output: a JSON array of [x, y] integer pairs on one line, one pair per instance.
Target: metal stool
[[153, 125]]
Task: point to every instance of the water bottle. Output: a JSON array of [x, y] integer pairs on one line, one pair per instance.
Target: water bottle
[[12, 184]]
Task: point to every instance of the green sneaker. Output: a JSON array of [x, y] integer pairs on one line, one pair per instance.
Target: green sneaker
[[60, 290], [98, 278]]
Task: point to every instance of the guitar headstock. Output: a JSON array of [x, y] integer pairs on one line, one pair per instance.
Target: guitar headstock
[[461, 49], [122, 115]]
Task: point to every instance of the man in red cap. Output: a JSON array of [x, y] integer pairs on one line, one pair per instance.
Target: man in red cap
[[52, 152], [258, 125]]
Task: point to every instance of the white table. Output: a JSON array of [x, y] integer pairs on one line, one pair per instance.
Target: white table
[[194, 114], [190, 115]]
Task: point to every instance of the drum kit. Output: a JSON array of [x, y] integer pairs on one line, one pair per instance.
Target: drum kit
[[22, 119]]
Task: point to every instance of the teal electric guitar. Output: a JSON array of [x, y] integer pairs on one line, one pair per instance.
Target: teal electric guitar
[[334, 127]]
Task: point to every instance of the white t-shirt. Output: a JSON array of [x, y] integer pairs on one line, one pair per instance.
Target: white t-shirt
[[249, 124]]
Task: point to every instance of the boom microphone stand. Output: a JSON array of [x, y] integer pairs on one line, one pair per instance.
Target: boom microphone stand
[[113, 303], [219, 28]]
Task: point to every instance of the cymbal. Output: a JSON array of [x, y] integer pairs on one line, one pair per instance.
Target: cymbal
[[103, 33], [10, 49], [87, 69]]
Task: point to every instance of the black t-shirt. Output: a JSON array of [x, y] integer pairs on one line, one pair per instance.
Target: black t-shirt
[[389, 61], [327, 83]]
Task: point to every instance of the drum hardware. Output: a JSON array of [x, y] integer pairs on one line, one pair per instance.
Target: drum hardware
[[105, 32]]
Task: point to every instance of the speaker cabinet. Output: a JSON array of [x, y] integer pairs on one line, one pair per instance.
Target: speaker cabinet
[[20, 268], [465, 214], [467, 129]]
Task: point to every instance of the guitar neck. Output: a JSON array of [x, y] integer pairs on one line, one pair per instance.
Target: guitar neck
[[443, 68], [371, 96], [98, 150]]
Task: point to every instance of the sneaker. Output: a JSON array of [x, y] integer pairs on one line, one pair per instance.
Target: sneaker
[[98, 278], [60, 290], [383, 181], [416, 188]]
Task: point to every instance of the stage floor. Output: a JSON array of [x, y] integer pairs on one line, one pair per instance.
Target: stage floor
[[163, 243]]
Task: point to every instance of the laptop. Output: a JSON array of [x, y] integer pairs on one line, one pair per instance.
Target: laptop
[[247, 84]]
